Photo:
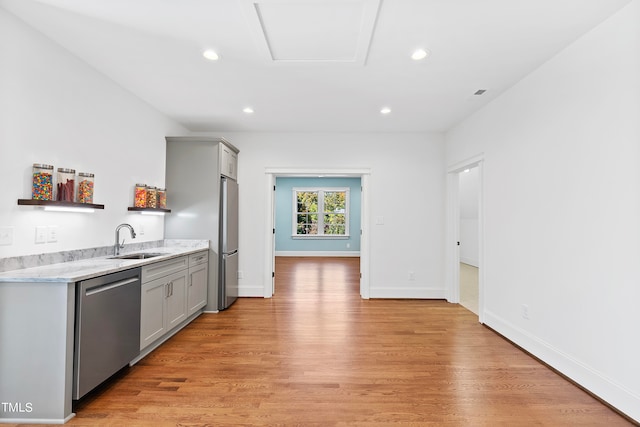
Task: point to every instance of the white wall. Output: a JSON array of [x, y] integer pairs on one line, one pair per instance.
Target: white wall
[[562, 209], [55, 109], [468, 193], [406, 188]]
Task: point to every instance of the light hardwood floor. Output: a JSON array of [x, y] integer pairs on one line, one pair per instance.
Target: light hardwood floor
[[317, 355]]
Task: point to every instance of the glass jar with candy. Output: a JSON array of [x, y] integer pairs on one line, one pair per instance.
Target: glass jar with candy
[[42, 186], [66, 184], [85, 187], [162, 198], [152, 197], [140, 196]]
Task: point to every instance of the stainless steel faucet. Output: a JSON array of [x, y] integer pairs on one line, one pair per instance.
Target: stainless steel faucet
[[119, 245]]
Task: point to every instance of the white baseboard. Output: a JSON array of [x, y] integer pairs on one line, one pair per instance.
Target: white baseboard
[[319, 253], [251, 291], [404, 292], [391, 292], [37, 420], [618, 396]]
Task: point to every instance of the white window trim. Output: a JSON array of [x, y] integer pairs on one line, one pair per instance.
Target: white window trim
[[294, 211]]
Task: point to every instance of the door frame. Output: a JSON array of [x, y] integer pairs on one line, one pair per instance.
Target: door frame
[[453, 231], [270, 256]]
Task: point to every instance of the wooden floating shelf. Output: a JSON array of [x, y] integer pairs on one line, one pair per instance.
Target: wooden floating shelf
[[57, 203], [149, 210]]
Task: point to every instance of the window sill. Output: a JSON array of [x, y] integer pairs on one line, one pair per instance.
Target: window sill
[[319, 237]]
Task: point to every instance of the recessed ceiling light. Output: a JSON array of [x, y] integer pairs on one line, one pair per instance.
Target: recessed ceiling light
[[247, 110], [211, 55], [419, 54], [385, 110]]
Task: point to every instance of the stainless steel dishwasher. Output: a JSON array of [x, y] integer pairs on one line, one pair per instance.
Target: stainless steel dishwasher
[[107, 332]]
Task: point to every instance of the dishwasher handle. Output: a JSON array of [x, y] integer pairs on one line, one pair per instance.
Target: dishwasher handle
[[109, 286]]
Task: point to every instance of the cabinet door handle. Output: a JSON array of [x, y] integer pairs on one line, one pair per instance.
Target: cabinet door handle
[[166, 293], [171, 290]]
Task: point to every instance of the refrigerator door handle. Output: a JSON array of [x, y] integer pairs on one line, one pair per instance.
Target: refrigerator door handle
[[230, 253]]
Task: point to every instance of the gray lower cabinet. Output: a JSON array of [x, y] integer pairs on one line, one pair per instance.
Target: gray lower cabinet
[[163, 302], [198, 276], [152, 312], [171, 292], [177, 299]]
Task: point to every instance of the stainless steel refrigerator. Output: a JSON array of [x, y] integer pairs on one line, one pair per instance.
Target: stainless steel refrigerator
[[228, 249]]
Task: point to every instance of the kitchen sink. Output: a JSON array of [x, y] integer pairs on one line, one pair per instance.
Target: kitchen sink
[[143, 255]]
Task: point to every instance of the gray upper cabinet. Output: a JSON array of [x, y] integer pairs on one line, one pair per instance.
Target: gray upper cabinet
[[228, 162]]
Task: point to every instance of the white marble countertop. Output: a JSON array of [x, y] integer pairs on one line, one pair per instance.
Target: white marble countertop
[[74, 271]]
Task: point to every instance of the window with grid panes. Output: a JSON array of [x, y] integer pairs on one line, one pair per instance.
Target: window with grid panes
[[321, 212]]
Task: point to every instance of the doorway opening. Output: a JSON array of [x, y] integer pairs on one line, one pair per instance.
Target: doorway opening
[[469, 289], [270, 229], [468, 192], [465, 283]]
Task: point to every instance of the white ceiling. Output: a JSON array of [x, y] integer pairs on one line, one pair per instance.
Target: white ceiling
[[315, 65]]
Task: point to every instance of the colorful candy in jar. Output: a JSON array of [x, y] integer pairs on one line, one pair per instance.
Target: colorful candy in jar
[[42, 185], [140, 196], [152, 200], [85, 187], [162, 198]]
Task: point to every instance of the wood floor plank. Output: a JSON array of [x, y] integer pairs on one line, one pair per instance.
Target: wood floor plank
[[316, 354]]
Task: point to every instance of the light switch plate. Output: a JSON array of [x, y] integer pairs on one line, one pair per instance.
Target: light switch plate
[[6, 236], [379, 220], [41, 234], [52, 233]]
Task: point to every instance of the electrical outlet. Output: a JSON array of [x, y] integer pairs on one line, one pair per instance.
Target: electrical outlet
[[412, 275], [525, 311], [240, 275], [348, 245], [41, 234], [52, 234], [140, 229], [6, 236]]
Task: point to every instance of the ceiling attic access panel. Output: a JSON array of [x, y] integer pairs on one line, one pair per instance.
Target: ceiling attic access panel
[[311, 30]]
